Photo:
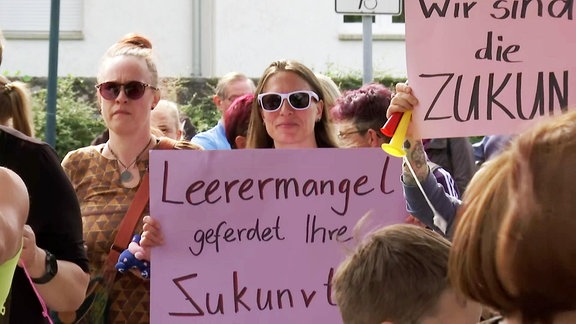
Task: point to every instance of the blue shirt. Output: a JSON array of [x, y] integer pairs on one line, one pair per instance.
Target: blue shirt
[[213, 139]]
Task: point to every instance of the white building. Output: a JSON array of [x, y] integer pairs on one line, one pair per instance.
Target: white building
[[205, 38]]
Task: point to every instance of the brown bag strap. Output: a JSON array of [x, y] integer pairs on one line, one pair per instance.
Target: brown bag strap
[[136, 209], [128, 224]]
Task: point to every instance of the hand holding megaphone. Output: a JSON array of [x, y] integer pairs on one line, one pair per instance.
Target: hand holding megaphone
[[396, 145], [400, 114]]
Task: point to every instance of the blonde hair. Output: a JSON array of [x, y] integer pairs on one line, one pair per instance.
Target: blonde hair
[[171, 108], [514, 246], [397, 274], [331, 90], [16, 106], [133, 45]]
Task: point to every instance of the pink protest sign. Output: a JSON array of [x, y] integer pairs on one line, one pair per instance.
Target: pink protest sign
[[253, 236], [491, 66]]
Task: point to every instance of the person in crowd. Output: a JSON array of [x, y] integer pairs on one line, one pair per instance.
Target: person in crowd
[[14, 206], [514, 243], [188, 128], [229, 87], [15, 106], [53, 250], [289, 111], [106, 177], [331, 90], [489, 147], [399, 274], [237, 119], [52, 247], [455, 155], [166, 118], [358, 116], [443, 216]]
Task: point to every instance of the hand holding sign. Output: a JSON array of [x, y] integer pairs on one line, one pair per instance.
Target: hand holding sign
[[491, 67], [151, 236]]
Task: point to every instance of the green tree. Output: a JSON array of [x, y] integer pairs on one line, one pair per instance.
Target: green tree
[[201, 111], [77, 118]]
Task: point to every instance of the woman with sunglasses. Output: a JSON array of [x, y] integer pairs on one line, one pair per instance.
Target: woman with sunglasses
[[106, 176], [289, 111]]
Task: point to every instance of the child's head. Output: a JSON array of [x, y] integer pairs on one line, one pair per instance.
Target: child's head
[[399, 275]]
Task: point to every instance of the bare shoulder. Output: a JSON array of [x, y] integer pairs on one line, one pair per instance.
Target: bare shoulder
[[11, 181], [13, 194]]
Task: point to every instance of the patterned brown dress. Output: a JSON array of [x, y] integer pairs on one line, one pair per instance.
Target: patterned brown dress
[[104, 202]]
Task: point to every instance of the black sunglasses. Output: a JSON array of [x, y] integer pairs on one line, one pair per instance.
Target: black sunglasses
[[134, 90], [299, 100]]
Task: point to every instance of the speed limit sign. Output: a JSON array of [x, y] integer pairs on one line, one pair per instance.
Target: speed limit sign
[[369, 7]]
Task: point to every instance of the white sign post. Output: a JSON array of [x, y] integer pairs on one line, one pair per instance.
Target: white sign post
[[368, 8]]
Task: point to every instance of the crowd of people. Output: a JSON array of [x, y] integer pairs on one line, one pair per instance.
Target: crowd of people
[[489, 226]]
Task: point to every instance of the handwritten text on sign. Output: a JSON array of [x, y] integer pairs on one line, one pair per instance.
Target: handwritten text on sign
[[254, 236], [489, 67]]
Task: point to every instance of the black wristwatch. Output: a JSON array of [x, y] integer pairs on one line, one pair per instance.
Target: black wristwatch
[[51, 269]]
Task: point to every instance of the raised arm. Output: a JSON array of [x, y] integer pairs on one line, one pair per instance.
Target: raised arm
[[404, 101], [445, 205], [13, 213]]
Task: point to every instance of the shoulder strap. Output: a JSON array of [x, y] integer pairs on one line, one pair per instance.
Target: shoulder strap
[[137, 207], [129, 222]]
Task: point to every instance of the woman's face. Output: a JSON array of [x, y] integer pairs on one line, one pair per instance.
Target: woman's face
[[350, 136], [124, 115], [288, 127]]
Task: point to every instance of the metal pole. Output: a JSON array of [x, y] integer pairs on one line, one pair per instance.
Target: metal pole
[[52, 73], [367, 48], [196, 38]]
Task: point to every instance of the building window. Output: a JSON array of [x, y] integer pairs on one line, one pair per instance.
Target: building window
[[30, 19]]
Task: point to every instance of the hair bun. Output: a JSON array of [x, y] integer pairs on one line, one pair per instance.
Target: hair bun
[[136, 40]]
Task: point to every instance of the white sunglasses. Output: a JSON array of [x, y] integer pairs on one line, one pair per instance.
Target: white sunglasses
[[299, 100]]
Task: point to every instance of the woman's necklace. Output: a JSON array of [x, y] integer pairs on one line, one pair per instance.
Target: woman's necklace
[[126, 176]]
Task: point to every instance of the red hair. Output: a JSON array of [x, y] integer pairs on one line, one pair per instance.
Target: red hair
[[237, 118]]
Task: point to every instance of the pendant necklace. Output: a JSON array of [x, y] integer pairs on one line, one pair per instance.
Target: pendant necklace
[[126, 176]]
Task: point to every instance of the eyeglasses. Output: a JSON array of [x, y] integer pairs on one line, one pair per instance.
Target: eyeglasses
[[299, 100], [134, 90]]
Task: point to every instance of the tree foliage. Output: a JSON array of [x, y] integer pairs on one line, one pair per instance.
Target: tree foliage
[[78, 121]]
